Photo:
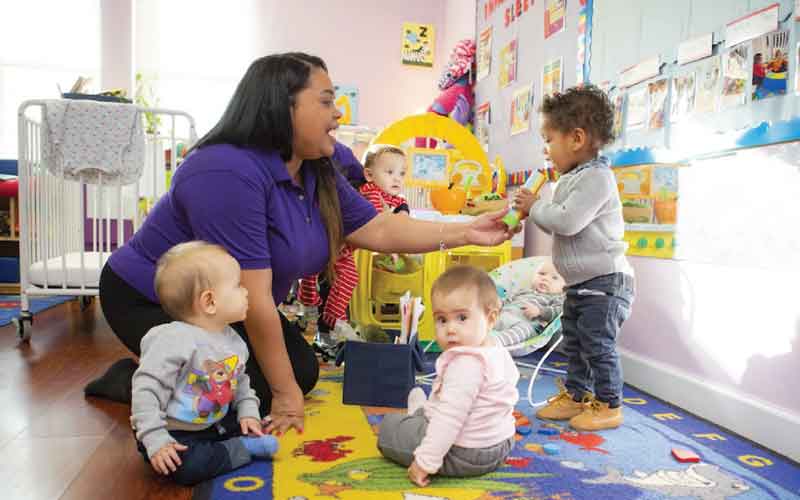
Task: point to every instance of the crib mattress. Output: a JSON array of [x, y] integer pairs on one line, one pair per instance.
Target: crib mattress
[[93, 263]]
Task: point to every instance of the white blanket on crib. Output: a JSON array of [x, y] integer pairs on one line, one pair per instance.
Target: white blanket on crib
[[93, 141]]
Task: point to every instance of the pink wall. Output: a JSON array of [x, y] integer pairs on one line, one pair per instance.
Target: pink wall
[[360, 42], [459, 23]]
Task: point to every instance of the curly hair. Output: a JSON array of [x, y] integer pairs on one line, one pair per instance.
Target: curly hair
[[585, 107]]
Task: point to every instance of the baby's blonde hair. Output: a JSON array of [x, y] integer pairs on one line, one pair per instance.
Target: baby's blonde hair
[[375, 152], [469, 277], [185, 271]]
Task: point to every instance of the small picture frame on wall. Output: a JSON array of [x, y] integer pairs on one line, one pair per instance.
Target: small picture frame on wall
[[417, 48], [428, 168]]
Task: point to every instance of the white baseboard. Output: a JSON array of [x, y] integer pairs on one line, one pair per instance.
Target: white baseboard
[[760, 422]]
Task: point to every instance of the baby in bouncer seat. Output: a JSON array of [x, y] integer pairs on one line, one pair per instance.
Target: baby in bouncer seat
[[527, 312]]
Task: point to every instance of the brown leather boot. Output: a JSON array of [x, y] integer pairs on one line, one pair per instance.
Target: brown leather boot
[[597, 416], [562, 406]]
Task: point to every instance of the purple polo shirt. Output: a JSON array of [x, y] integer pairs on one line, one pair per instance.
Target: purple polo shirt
[[244, 200], [352, 168]]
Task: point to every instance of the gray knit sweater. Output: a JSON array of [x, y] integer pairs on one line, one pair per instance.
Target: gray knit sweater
[[585, 219]]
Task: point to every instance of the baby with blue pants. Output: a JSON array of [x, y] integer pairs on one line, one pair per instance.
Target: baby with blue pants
[[194, 413]]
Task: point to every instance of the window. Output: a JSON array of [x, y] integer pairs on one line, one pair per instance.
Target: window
[[193, 53]]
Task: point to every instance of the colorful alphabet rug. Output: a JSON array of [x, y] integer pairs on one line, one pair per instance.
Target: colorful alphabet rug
[[336, 458]]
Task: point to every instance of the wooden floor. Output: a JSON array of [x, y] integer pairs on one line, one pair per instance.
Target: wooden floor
[[55, 443]]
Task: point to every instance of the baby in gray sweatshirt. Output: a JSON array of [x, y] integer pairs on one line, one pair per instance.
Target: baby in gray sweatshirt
[[528, 311], [193, 410]]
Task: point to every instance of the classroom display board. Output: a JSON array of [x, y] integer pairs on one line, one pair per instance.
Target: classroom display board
[[524, 48], [649, 195], [691, 76]]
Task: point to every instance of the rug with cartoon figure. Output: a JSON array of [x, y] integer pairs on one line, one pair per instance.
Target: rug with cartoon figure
[[336, 458]]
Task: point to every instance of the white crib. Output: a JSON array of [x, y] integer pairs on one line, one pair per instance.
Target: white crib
[[69, 228]]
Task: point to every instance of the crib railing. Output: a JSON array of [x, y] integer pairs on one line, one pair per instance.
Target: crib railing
[[69, 228]]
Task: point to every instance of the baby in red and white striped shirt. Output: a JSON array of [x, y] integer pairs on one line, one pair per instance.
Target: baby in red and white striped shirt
[[385, 171]]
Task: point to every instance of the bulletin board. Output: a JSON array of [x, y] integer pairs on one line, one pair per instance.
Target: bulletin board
[[624, 34], [542, 32]]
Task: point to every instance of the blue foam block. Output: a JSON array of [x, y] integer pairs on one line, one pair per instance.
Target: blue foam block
[[548, 431], [551, 449]]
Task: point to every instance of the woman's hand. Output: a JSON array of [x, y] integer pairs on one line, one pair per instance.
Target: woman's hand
[[489, 229], [287, 411]]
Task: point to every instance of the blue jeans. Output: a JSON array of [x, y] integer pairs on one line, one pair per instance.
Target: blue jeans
[[593, 315], [211, 452]]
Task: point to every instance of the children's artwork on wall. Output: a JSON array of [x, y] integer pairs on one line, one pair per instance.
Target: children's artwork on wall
[[770, 65], [418, 47], [709, 78], [657, 97], [649, 195], [555, 12], [428, 167], [683, 94], [552, 77], [521, 103], [508, 64], [483, 118], [484, 55], [347, 103], [618, 101], [637, 109], [736, 74]]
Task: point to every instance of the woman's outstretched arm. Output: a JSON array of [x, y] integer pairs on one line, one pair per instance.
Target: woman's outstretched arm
[[396, 233]]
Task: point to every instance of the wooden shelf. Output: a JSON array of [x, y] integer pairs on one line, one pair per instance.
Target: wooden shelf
[[9, 288], [9, 238]]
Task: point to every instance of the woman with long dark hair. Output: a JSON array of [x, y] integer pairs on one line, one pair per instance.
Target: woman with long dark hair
[[262, 184]]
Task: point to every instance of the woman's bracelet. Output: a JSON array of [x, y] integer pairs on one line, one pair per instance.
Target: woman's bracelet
[[441, 238]]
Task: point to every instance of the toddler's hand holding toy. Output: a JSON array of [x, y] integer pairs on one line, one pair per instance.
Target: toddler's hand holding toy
[[417, 475], [524, 200]]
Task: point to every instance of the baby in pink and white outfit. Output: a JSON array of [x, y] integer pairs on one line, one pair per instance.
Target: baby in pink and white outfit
[[466, 428]]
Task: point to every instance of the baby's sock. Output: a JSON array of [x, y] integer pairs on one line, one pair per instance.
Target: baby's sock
[[260, 446], [416, 399]]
